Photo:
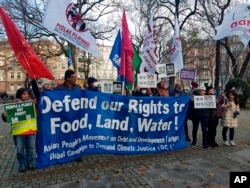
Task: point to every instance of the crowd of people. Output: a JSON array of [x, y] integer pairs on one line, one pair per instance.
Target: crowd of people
[[226, 112]]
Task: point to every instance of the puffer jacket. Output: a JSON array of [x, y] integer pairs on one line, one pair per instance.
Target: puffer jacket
[[228, 119]]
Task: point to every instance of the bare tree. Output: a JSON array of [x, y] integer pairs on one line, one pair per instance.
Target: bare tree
[[214, 12], [28, 16]]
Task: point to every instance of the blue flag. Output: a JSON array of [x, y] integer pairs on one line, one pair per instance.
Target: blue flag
[[115, 55]]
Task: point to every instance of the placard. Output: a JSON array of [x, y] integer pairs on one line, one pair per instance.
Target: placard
[[205, 101], [165, 70], [147, 80], [20, 111]]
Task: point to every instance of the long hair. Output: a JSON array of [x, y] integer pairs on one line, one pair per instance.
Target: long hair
[[235, 94]]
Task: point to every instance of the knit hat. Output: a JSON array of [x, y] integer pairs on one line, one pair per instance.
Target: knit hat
[[91, 80], [202, 88], [44, 83]]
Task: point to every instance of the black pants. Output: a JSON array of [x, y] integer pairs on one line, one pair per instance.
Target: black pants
[[196, 122], [186, 128], [211, 131], [224, 133]]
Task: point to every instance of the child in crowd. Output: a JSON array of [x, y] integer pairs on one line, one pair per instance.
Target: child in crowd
[[24, 135], [229, 118]]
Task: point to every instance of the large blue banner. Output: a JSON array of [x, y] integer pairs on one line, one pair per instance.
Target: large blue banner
[[75, 123]]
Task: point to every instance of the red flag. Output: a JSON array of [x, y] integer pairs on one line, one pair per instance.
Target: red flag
[[127, 53], [23, 51]]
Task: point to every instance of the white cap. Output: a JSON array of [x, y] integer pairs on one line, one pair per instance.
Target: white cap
[[202, 88], [44, 83]]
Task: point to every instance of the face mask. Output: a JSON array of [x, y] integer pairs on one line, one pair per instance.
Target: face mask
[[143, 91], [96, 84]]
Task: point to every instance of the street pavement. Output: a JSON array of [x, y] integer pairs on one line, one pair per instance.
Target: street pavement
[[185, 168]]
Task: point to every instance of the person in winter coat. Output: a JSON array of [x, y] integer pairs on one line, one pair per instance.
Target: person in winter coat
[[140, 92], [24, 135], [161, 89], [214, 117], [179, 91], [229, 117], [200, 116]]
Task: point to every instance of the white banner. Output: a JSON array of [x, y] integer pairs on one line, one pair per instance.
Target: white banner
[[62, 18], [176, 50], [236, 22], [149, 51]]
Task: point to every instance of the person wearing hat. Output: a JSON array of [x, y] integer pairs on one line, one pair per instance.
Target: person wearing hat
[[46, 85], [194, 87], [92, 84], [200, 116]]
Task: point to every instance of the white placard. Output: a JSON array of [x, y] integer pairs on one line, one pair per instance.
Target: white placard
[[205, 101]]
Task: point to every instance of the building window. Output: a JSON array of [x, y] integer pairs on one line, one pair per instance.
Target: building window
[[12, 76], [206, 52], [206, 73], [12, 88], [110, 76], [206, 63], [196, 61], [19, 86], [196, 52], [1, 61], [18, 75], [1, 76]]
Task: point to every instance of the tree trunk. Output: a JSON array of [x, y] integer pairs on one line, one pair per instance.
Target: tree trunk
[[217, 66], [244, 66]]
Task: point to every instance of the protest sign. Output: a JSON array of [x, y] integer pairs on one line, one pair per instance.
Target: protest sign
[[205, 101], [20, 111], [146, 80]]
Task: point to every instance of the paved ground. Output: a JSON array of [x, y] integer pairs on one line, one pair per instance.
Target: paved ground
[[186, 168]]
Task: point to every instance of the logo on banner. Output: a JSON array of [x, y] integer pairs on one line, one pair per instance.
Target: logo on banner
[[75, 19], [239, 179]]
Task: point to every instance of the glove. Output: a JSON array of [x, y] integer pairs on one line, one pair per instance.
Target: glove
[[235, 114]]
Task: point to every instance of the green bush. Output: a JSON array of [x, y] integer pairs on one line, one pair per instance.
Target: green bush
[[242, 87]]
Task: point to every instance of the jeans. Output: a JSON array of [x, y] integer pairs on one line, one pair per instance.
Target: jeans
[[25, 146], [224, 133], [204, 123]]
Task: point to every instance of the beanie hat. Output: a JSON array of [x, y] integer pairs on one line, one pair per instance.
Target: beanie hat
[[91, 80], [44, 83], [202, 88]]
